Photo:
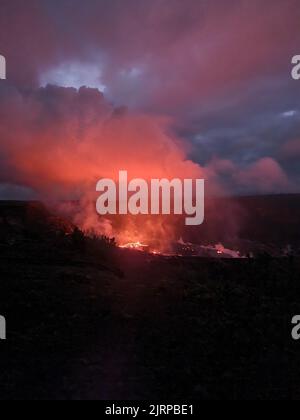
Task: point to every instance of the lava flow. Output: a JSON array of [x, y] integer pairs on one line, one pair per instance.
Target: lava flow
[[182, 249], [138, 246]]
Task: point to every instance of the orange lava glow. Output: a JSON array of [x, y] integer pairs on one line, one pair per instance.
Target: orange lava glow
[[138, 246], [134, 245]]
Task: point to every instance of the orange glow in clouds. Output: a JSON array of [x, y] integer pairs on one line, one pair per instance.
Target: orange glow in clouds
[[65, 140]]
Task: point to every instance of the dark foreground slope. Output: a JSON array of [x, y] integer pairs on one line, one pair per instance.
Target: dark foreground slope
[[88, 321], [270, 220]]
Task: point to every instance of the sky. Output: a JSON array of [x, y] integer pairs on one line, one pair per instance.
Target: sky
[[172, 88]]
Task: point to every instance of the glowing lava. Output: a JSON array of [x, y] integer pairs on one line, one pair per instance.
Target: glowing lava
[[135, 245]]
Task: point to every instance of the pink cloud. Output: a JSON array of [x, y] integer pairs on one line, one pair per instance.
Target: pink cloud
[[64, 140], [265, 175], [152, 54], [291, 149]]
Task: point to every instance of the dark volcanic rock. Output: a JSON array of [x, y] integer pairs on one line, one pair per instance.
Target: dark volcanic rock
[[88, 321]]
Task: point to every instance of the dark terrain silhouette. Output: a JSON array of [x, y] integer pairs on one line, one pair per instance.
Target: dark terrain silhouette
[[86, 320]]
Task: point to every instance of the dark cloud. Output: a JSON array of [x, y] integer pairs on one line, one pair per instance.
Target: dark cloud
[[219, 70]]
